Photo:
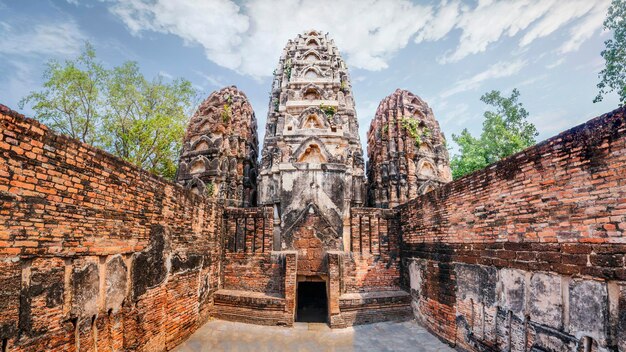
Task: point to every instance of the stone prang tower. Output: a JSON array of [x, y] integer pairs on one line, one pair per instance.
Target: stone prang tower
[[220, 148], [312, 160], [406, 151]]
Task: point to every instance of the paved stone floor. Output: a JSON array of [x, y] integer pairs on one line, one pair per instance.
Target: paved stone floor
[[217, 335]]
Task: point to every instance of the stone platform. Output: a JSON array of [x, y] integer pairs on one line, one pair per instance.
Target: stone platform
[[251, 307], [218, 335]]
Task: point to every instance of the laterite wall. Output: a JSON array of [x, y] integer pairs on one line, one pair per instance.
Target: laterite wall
[[528, 253], [94, 251]]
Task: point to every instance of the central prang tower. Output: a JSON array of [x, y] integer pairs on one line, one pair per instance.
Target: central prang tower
[[298, 236], [312, 168]]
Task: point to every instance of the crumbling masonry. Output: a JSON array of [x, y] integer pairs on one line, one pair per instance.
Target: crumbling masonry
[[527, 254]]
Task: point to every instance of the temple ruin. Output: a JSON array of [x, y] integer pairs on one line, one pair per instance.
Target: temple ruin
[[407, 152], [312, 157], [525, 255], [219, 156]]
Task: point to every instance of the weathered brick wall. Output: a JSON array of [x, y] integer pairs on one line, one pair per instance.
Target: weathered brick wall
[[373, 263], [248, 262], [261, 272], [364, 281], [257, 284], [248, 230], [528, 252], [312, 238], [94, 251]]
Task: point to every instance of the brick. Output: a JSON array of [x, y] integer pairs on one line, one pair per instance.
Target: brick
[[607, 260], [575, 248], [574, 259], [550, 257]]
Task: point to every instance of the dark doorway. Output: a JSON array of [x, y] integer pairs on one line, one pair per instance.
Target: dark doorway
[[312, 302]]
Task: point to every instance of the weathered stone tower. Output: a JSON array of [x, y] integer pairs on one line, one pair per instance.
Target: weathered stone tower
[[406, 151], [312, 161], [219, 156]]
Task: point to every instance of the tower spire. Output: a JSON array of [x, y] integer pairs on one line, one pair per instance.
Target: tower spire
[[312, 152]]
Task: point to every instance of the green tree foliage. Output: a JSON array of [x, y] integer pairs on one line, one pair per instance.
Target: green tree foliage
[[144, 121], [71, 96], [613, 76], [141, 121], [505, 132]]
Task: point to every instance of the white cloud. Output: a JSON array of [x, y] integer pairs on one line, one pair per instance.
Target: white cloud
[[441, 23], [216, 25], [166, 75], [491, 20], [24, 49], [556, 63], [249, 37], [556, 16], [458, 114], [530, 81], [552, 121], [365, 111], [585, 29], [498, 70], [17, 81], [46, 39], [595, 65]]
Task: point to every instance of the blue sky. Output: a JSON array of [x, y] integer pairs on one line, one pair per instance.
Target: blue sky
[[448, 52]]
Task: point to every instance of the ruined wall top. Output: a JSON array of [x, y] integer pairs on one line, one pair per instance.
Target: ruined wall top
[[219, 156], [406, 151]]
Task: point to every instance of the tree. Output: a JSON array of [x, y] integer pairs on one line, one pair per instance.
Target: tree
[[116, 109], [70, 101], [144, 121], [505, 132], [613, 76]]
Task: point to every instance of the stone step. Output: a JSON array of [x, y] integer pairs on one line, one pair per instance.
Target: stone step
[[372, 307], [249, 299], [357, 300], [251, 307]]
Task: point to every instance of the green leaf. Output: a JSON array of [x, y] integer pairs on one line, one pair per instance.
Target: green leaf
[[613, 76], [505, 132], [118, 109]]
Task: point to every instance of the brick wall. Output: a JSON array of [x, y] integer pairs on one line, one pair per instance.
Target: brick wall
[[248, 230], [253, 272], [94, 251], [374, 261], [528, 252], [248, 263]]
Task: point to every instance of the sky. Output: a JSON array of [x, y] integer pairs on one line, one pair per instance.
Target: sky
[[448, 52]]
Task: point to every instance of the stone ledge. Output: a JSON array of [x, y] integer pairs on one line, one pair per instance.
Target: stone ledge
[[372, 307], [368, 300], [249, 299], [251, 307]]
